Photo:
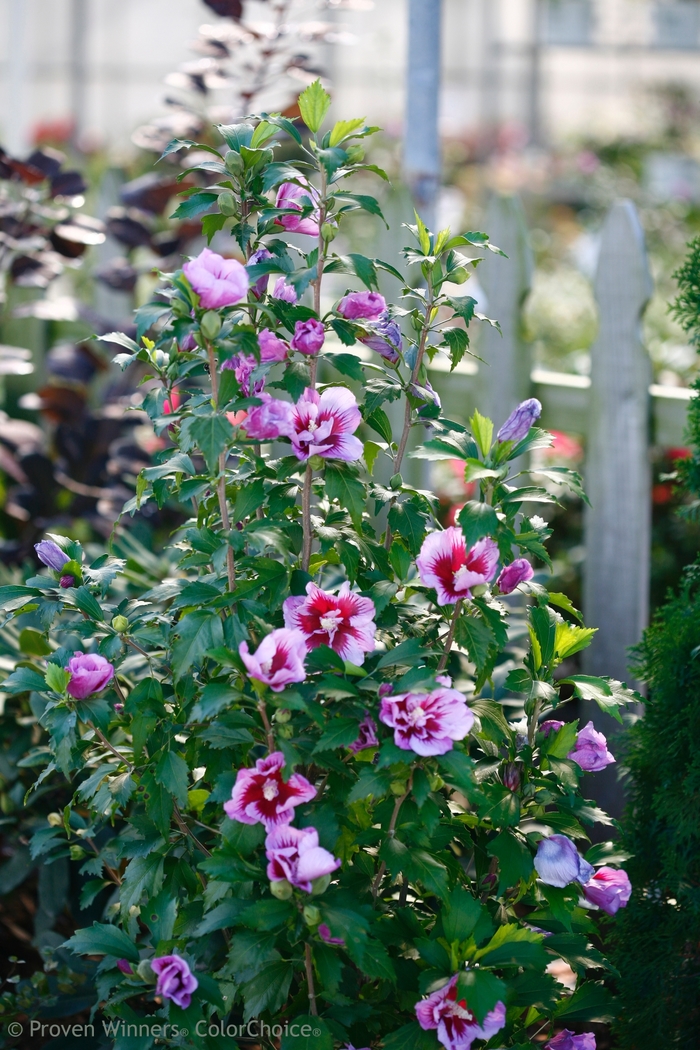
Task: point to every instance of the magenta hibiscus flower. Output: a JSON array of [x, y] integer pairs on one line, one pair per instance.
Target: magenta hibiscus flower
[[591, 750], [295, 855], [609, 888], [299, 197], [218, 281], [260, 796], [427, 723], [279, 659], [324, 425], [456, 1024], [343, 621], [175, 979], [445, 564]]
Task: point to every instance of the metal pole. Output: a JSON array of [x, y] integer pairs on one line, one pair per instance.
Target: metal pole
[[421, 158], [78, 66], [16, 131], [535, 74]]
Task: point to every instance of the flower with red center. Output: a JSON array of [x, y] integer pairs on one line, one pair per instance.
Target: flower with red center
[[609, 888], [343, 621], [278, 660], [324, 425], [260, 796], [218, 281], [591, 750], [358, 305], [455, 1022], [309, 336], [268, 421], [89, 673], [367, 737], [445, 564], [272, 348], [299, 196], [519, 571], [427, 723], [295, 855], [566, 1040], [175, 979]]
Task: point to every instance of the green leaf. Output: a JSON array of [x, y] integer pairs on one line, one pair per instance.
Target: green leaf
[[102, 939], [558, 745], [172, 772], [482, 429], [513, 945], [343, 485], [464, 307], [477, 520], [223, 916], [307, 1033], [607, 693], [410, 652], [23, 680], [409, 522], [411, 1037], [371, 782], [458, 342], [365, 270], [366, 203], [544, 625], [314, 103], [460, 915], [199, 632], [379, 422], [268, 989], [417, 865], [195, 205], [268, 914], [569, 639], [212, 434], [590, 1002], [57, 678], [562, 601], [211, 224], [340, 733], [159, 803], [248, 499], [514, 860], [347, 364], [87, 604], [476, 637], [143, 876], [343, 129], [482, 990]]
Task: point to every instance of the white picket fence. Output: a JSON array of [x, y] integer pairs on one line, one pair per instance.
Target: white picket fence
[[618, 410]]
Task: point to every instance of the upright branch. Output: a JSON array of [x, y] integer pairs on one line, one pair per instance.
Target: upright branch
[[221, 481], [309, 966], [450, 636]]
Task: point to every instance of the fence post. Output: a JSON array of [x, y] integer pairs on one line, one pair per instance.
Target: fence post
[[618, 477], [504, 375], [421, 156]]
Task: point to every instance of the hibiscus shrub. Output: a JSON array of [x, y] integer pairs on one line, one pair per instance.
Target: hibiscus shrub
[[295, 799]]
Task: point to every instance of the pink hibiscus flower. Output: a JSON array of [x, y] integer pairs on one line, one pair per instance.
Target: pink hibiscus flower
[[324, 425], [456, 1024], [278, 660], [427, 723], [295, 855], [445, 564], [343, 621], [298, 197], [260, 796]]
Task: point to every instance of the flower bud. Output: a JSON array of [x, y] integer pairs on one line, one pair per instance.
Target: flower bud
[[511, 776], [480, 590], [210, 324], [118, 708], [416, 322], [227, 204], [312, 915], [398, 787], [77, 853], [316, 462], [458, 276], [134, 911], [282, 715], [285, 732], [320, 885], [356, 154], [281, 889], [55, 820], [145, 971], [124, 966], [328, 231], [395, 482], [436, 782], [234, 162], [120, 624]]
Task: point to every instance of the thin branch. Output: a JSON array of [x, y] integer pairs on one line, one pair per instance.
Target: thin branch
[[266, 722], [221, 484], [187, 830], [306, 518], [103, 739], [391, 832], [450, 636], [308, 962]]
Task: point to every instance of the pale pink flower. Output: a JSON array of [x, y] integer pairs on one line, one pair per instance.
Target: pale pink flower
[[269, 421], [309, 336], [175, 979], [591, 750], [427, 723], [445, 564], [284, 291], [324, 425], [279, 659], [367, 735], [609, 888], [272, 348], [261, 796], [89, 673], [218, 281], [519, 571], [298, 197], [343, 621], [456, 1024], [295, 855], [358, 305]]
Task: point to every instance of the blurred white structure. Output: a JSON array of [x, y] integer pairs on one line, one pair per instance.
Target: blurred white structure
[[539, 69]]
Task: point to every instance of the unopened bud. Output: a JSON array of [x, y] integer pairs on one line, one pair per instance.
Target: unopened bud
[[210, 324], [480, 590], [77, 853], [281, 889], [227, 204], [234, 162], [458, 276], [66, 582], [312, 915], [436, 782], [285, 732], [328, 231], [316, 462], [55, 820], [398, 787], [320, 885], [356, 154], [282, 715], [416, 322], [120, 624], [145, 971], [396, 482], [511, 776]]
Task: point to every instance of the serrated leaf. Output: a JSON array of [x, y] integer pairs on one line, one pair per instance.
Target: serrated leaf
[[212, 434], [317, 1035], [477, 520], [199, 633], [57, 678], [345, 487], [460, 915], [407, 521], [514, 860], [343, 129], [172, 773], [195, 205], [23, 680], [482, 990], [559, 744], [482, 429], [340, 733], [314, 103], [102, 939], [268, 989], [590, 1002]]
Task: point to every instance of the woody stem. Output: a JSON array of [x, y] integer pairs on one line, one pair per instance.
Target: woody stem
[[308, 962], [266, 723], [450, 636], [221, 483]]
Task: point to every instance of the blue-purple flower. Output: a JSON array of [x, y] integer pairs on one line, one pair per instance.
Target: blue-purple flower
[[518, 423], [559, 863]]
